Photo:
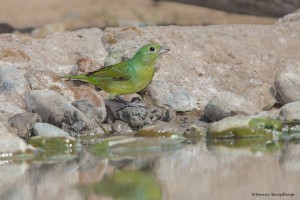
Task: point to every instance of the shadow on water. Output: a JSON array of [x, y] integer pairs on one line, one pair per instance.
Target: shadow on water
[[154, 168]]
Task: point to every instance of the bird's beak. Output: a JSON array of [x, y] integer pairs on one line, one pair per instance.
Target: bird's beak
[[163, 49]]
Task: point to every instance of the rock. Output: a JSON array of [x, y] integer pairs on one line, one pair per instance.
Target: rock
[[122, 128], [86, 65], [273, 113], [58, 51], [91, 112], [262, 96], [11, 107], [134, 115], [209, 59], [227, 104], [138, 114], [55, 109], [161, 129], [287, 86], [86, 93], [290, 113], [176, 97], [13, 56], [6, 28], [265, 8], [243, 127], [11, 144], [4, 124], [40, 78], [13, 85], [48, 130], [23, 123], [169, 115]]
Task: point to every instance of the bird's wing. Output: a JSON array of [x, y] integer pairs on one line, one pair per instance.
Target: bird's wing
[[118, 72]]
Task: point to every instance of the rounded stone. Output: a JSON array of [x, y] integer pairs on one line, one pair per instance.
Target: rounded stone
[[48, 130]]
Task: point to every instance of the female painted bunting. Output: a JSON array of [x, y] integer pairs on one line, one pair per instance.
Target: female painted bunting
[[126, 77]]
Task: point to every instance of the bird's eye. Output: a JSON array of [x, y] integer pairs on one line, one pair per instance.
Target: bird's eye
[[152, 49]]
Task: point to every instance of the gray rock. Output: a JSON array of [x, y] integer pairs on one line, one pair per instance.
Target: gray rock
[[206, 60], [10, 143], [23, 123], [85, 93], [138, 114], [262, 96], [290, 113], [11, 107], [4, 124], [287, 86], [40, 78], [91, 112], [134, 115], [227, 104], [48, 130], [12, 81], [122, 128], [176, 97], [169, 115], [55, 109]]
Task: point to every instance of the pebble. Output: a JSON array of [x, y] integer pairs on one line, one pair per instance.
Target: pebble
[[55, 109], [287, 86], [122, 128], [40, 78], [227, 104], [243, 127], [176, 97], [290, 113], [48, 130], [23, 123], [262, 96], [83, 93], [12, 82], [91, 112]]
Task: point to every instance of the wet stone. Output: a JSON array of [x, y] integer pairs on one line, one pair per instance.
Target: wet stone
[[244, 127], [10, 144], [161, 129], [120, 127], [48, 130], [55, 109], [23, 123], [227, 104]]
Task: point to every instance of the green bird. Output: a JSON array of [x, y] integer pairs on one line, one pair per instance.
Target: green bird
[[126, 77]]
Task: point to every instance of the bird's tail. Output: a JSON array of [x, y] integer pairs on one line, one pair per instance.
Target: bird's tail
[[76, 77]]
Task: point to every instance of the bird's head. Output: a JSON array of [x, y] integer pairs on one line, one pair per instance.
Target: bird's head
[[150, 52]]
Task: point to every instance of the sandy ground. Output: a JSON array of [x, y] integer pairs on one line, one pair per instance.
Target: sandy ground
[[101, 13]]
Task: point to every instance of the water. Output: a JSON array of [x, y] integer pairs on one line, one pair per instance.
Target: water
[[157, 168]]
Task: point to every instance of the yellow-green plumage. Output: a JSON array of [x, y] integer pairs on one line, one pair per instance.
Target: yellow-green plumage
[[126, 77]]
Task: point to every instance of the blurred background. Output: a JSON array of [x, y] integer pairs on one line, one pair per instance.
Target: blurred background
[[60, 15]]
